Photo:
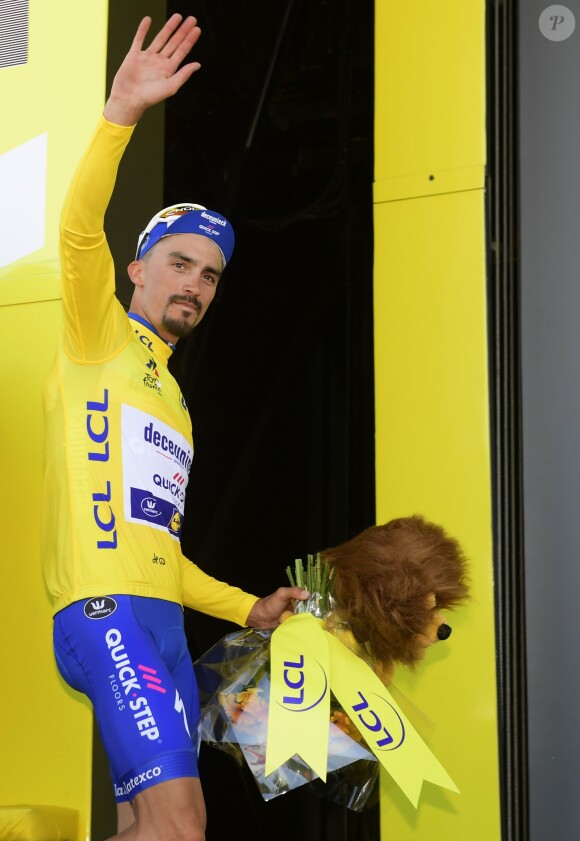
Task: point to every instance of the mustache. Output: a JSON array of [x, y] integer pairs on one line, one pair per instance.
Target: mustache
[[185, 299]]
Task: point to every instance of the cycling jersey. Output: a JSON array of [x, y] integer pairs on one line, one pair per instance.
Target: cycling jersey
[[118, 433]]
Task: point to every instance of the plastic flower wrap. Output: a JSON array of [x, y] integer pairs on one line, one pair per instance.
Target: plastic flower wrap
[[302, 703]]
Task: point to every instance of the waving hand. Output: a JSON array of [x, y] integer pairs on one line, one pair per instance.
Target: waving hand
[[148, 76]]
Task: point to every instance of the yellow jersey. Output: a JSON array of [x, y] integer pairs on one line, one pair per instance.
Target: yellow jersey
[[118, 434]]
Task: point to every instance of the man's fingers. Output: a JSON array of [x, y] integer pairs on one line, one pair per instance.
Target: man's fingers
[[292, 593], [166, 32], [181, 76], [185, 46], [141, 34], [182, 40], [176, 36]]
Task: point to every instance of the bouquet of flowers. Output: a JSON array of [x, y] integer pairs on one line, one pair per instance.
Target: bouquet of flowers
[[234, 679], [303, 703]]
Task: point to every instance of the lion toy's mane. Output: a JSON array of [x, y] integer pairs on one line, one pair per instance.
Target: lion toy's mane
[[385, 579]]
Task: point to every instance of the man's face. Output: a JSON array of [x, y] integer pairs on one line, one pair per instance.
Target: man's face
[[175, 283]]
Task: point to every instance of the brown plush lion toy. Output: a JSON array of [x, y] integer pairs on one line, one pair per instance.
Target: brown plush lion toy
[[391, 583]]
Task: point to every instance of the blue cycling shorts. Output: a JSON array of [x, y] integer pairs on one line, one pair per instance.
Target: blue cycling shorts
[[129, 655]]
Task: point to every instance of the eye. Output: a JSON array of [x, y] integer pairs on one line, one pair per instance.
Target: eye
[[210, 279]]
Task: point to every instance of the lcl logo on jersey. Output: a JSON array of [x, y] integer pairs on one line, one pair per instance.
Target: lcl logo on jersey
[[100, 608]]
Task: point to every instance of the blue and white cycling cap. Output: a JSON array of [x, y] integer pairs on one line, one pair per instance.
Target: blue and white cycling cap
[[188, 219]]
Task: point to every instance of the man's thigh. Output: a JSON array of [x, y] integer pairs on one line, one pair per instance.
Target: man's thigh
[[136, 687]]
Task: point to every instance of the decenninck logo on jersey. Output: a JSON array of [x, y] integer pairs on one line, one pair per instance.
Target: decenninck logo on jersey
[[100, 608], [128, 679], [156, 459], [165, 444]]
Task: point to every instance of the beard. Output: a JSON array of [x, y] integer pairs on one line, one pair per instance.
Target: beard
[[180, 327]]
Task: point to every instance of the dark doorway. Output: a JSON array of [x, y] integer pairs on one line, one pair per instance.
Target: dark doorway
[[276, 132]]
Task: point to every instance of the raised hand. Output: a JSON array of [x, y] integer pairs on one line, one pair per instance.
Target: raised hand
[[148, 76]]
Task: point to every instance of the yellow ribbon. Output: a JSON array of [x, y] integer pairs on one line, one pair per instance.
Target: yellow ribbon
[[299, 709], [305, 662]]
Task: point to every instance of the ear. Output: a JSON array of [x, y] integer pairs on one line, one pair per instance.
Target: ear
[[135, 272]]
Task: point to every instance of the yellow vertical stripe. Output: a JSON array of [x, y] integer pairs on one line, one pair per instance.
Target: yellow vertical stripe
[[432, 391]]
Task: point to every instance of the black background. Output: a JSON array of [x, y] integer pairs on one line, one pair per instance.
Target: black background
[[276, 133]]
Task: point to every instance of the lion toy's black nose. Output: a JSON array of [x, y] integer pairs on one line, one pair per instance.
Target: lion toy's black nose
[[443, 632]]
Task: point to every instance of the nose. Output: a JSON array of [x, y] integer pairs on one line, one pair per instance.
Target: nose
[[443, 632], [192, 285]]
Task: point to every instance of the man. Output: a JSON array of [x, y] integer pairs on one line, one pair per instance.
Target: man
[[118, 452]]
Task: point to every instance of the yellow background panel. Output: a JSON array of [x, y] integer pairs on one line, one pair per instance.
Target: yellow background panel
[[46, 730], [432, 452], [429, 86], [46, 727], [58, 92]]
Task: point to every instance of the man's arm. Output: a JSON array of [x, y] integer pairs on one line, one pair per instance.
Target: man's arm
[[216, 598], [95, 323]]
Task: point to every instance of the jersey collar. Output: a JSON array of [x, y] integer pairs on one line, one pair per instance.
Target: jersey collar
[[160, 345]]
